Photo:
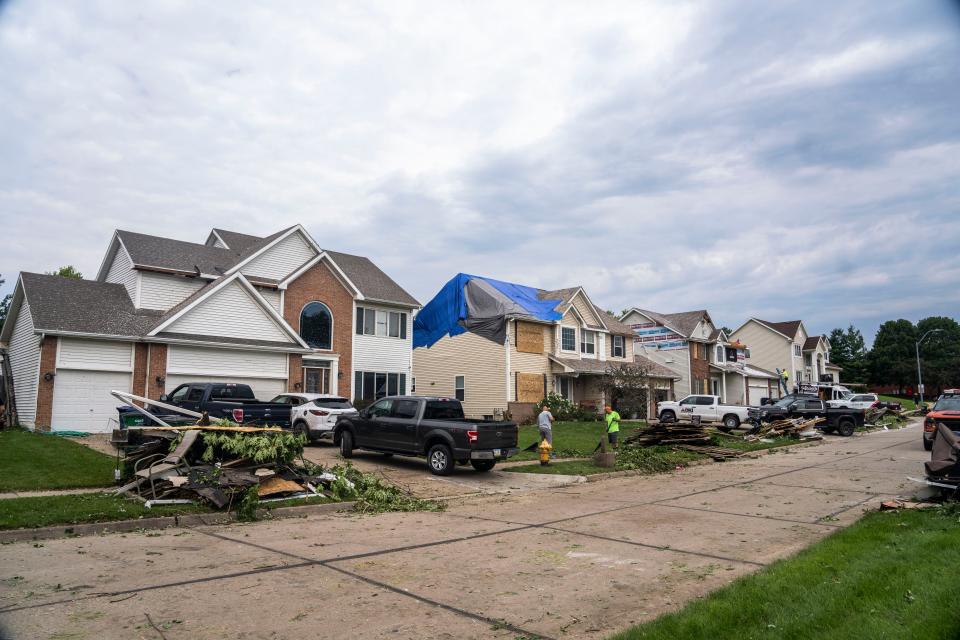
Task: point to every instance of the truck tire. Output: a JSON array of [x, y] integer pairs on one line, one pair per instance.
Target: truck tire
[[483, 465], [668, 416], [346, 444], [731, 421], [440, 459], [928, 444], [846, 427]]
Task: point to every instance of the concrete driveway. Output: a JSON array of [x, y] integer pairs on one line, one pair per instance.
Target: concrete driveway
[[579, 561]]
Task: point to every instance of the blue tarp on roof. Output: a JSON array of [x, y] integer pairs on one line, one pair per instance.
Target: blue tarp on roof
[[448, 311]]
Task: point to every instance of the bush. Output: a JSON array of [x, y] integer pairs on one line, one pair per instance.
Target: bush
[[565, 411]]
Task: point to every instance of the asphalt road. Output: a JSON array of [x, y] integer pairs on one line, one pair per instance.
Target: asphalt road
[[506, 560]]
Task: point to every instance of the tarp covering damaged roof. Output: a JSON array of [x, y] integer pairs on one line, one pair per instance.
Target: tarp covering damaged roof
[[479, 305]]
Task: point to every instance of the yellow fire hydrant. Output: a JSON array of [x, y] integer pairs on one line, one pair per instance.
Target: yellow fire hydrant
[[545, 452]]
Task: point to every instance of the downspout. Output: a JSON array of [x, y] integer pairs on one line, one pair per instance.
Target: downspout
[[506, 373]]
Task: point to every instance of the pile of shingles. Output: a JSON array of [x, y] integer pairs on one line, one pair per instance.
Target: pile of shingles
[[670, 433], [785, 427], [181, 476]]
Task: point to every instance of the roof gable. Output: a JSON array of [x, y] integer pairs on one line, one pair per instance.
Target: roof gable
[[787, 329]]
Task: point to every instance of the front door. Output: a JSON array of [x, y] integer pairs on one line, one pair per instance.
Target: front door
[[316, 379]]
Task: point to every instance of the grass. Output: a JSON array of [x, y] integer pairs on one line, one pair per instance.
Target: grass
[[888, 576], [645, 459], [908, 405], [42, 511], [570, 439], [735, 442], [33, 461]]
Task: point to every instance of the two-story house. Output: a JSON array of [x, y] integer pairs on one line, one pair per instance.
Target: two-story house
[[277, 312], [735, 378], [786, 346], [499, 346]]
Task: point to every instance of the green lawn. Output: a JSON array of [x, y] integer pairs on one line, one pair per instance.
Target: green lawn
[[570, 439], [908, 405], [43, 511], [31, 461], [646, 459], [737, 442], [891, 575]]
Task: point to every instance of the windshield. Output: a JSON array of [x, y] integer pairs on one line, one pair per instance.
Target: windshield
[[846, 395], [784, 402], [333, 403], [948, 404]]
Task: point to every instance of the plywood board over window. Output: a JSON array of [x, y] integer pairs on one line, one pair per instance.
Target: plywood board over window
[[529, 337], [529, 387]]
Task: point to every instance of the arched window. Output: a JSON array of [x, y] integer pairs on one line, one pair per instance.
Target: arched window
[[316, 325]]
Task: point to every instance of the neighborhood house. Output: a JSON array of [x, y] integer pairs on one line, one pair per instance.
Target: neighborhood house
[[786, 346], [277, 312]]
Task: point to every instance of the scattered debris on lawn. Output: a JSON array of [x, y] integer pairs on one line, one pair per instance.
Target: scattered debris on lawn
[[717, 453], [894, 505], [795, 427], [881, 416], [670, 433]]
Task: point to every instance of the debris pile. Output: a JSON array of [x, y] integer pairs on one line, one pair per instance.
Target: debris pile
[[670, 433], [717, 453], [797, 427], [874, 415]]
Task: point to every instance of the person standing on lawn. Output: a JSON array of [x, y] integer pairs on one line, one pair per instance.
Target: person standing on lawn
[[613, 425], [545, 424]]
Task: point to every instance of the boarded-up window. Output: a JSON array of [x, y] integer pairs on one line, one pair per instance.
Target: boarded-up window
[[529, 337], [529, 387]]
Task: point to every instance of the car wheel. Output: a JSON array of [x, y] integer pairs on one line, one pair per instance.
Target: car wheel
[[846, 428], [441, 460], [387, 455], [668, 416], [483, 465], [927, 445], [346, 444], [301, 429], [731, 422]]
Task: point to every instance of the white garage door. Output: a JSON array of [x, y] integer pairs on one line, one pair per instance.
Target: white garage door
[[82, 402], [265, 372], [263, 388], [759, 392]]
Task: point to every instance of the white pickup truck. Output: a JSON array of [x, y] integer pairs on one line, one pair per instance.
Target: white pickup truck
[[707, 407]]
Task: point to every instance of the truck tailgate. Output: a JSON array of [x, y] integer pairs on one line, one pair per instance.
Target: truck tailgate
[[496, 435]]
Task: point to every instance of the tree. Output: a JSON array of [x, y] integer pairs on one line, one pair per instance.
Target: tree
[[66, 272], [726, 330], [627, 385], [849, 351], [939, 353], [892, 359]]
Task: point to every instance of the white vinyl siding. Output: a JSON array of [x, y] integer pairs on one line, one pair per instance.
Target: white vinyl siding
[[379, 353], [163, 291], [24, 356], [225, 362], [100, 355], [282, 259], [122, 272], [230, 312], [82, 400], [272, 296]]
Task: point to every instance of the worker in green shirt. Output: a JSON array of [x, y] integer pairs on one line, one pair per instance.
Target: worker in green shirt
[[613, 425]]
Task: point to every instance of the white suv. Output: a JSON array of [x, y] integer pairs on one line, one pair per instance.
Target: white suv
[[855, 401], [316, 414]]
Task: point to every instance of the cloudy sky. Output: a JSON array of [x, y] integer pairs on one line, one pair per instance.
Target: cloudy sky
[[781, 160]]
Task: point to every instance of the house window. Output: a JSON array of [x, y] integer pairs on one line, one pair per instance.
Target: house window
[[316, 378], [568, 339], [372, 385], [565, 386], [316, 325], [617, 350], [459, 387], [719, 354], [796, 350], [746, 353], [587, 344], [373, 322], [413, 384]]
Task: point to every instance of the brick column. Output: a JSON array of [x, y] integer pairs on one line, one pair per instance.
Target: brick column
[[157, 368], [139, 370], [295, 373], [48, 365]]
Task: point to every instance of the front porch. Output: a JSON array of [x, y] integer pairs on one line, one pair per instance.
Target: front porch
[[581, 382]]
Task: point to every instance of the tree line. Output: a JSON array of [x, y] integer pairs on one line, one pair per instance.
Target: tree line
[[893, 358]]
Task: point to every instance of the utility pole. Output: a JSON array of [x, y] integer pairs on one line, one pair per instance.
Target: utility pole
[[919, 373]]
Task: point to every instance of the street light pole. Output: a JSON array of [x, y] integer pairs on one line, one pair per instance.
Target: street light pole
[[919, 374]]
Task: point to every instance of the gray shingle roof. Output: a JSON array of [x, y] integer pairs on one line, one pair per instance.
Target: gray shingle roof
[[84, 306], [238, 242], [811, 343], [167, 253], [788, 328], [655, 369], [683, 323], [615, 326], [588, 365], [373, 283], [566, 297], [226, 340]]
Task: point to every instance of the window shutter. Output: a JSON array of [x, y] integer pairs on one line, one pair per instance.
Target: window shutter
[[359, 321], [403, 326]]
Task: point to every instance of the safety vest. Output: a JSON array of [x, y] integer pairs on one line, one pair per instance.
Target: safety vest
[[613, 422]]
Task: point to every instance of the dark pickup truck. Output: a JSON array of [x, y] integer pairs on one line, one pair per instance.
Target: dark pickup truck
[[842, 420], [431, 427], [230, 401]]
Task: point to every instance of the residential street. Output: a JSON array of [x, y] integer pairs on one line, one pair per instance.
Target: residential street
[[578, 561]]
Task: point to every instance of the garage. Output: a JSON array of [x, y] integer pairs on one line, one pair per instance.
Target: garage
[[265, 372], [87, 370]]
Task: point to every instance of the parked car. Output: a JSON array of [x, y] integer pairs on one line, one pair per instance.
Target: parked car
[[427, 426], [316, 414], [708, 408], [946, 412], [840, 419], [230, 401], [857, 401]]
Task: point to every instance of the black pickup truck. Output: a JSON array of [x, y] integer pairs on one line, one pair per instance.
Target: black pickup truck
[[431, 427], [842, 420], [228, 400]]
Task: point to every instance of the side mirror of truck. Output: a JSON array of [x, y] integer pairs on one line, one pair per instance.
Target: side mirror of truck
[[164, 398]]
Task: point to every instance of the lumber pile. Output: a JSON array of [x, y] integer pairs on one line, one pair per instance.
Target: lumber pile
[[670, 433], [873, 416], [717, 453], [785, 427]]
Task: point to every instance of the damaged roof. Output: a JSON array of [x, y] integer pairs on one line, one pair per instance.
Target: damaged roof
[[683, 323], [590, 365]]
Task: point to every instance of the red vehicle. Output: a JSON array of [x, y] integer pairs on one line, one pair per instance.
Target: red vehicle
[[946, 412]]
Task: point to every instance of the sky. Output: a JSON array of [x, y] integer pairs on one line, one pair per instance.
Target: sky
[[787, 160]]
